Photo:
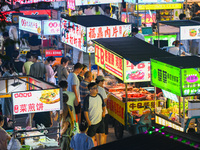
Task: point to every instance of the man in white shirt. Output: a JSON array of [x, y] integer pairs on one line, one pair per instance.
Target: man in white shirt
[[136, 34], [176, 50]]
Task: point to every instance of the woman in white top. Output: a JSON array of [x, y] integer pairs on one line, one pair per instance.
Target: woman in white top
[[50, 73]]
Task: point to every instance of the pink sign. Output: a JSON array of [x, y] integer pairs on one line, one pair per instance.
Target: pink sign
[[71, 4], [53, 53]]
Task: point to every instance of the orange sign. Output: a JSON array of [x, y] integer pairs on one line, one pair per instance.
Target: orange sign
[[109, 61]]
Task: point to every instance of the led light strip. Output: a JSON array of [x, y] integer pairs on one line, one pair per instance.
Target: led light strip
[[192, 144]]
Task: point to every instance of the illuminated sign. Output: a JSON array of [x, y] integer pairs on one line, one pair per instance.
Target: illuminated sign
[[170, 95], [36, 101], [30, 1], [109, 61], [154, 1], [96, 2], [71, 4], [53, 53], [106, 32], [190, 81], [170, 38], [51, 27], [190, 32], [166, 77], [134, 107], [116, 108], [138, 73], [73, 34], [30, 25], [166, 123], [7, 15], [160, 6]]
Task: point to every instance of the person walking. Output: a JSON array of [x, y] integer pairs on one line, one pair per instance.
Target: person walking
[[94, 111], [136, 34], [81, 74], [17, 64], [50, 71], [81, 141], [62, 72], [38, 69], [27, 64], [67, 123], [73, 86], [100, 82]]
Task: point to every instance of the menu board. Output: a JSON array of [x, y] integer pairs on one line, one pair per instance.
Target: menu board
[[73, 34], [170, 38], [106, 32], [190, 81], [30, 25], [109, 61], [189, 32], [136, 73], [96, 2], [36, 101], [166, 77], [51, 27]]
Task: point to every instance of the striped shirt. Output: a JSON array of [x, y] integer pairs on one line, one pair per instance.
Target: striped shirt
[[83, 91]]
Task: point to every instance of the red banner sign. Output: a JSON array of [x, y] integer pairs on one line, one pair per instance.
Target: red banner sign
[[53, 53]]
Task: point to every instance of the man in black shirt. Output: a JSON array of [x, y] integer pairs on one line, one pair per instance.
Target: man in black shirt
[[8, 45]]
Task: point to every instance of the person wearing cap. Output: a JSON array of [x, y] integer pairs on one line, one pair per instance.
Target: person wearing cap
[[136, 34], [100, 82]]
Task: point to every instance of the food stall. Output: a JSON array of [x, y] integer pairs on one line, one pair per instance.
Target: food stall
[[40, 27], [128, 60], [30, 95], [179, 76], [185, 30], [79, 31]]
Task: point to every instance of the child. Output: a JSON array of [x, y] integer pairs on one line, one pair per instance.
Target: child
[[3, 135], [67, 124], [81, 141]]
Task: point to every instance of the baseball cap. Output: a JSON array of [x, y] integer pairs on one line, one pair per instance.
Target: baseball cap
[[100, 78]]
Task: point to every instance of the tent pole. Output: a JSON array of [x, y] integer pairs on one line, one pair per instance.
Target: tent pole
[[183, 123]]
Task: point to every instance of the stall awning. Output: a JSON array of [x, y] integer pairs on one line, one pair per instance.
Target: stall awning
[[132, 48], [182, 62], [180, 23], [94, 20]]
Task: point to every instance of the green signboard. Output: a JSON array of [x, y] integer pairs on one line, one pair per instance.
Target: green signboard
[[190, 81], [166, 77], [170, 38]]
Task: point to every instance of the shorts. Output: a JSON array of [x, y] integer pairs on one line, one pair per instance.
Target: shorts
[[97, 128], [106, 120], [78, 108]]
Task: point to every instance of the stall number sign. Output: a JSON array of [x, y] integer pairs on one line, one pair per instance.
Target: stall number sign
[[109, 62], [137, 73], [73, 34], [135, 106], [106, 32], [189, 32], [166, 77], [190, 81], [54, 53], [36, 101], [166, 123], [30, 25], [116, 109], [51, 27]]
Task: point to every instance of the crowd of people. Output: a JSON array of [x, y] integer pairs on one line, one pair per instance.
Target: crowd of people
[[84, 113]]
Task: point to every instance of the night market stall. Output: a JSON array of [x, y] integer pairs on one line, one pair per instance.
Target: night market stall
[[179, 76], [129, 60], [32, 96], [79, 31]]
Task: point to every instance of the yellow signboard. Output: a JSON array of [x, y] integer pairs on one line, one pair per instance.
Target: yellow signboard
[[160, 6], [134, 107], [164, 122], [116, 109], [109, 61]]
